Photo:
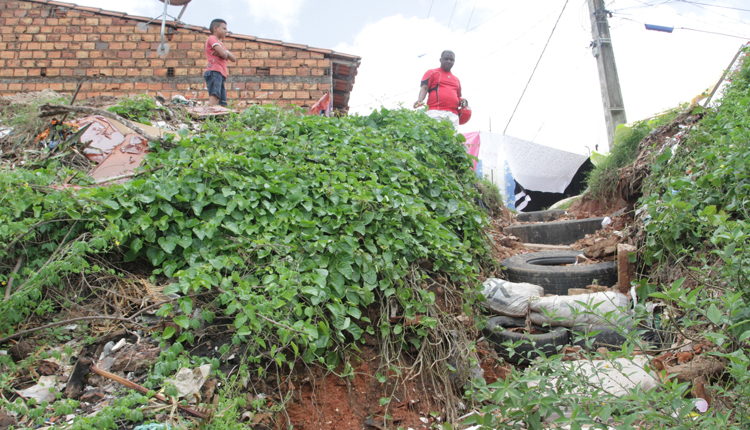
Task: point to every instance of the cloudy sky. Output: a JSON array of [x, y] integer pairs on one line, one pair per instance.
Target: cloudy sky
[[498, 44]]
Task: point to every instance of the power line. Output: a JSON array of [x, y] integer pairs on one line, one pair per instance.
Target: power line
[[430, 11], [713, 5], [454, 11], [535, 67], [693, 29], [470, 16]]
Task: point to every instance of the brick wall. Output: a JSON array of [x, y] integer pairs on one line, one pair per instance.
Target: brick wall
[[46, 44]]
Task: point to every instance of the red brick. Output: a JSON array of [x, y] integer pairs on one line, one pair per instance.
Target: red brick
[[5, 73], [53, 72], [269, 63], [123, 54], [20, 72], [290, 71], [24, 54], [15, 87], [82, 54]]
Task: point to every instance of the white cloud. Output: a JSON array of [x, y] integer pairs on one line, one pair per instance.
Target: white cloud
[[283, 12]]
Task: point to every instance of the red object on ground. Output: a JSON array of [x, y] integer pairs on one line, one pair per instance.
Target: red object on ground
[[464, 115]]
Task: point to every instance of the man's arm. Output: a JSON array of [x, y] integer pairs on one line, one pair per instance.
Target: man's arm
[[422, 93], [223, 53]]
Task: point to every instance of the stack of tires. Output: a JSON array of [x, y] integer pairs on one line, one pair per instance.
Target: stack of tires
[[556, 273]]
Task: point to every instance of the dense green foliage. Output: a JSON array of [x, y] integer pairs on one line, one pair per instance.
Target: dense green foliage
[[297, 223]]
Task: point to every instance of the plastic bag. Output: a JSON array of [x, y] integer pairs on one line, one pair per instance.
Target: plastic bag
[[591, 309], [510, 298]]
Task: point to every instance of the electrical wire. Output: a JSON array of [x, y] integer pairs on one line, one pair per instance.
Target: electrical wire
[[693, 29], [454, 11], [430, 11], [470, 16], [535, 67], [712, 5]]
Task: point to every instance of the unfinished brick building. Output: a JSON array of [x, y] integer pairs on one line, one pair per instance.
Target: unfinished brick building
[[56, 45]]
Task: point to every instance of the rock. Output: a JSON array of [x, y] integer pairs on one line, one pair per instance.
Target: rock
[[20, 351], [93, 396], [136, 358]]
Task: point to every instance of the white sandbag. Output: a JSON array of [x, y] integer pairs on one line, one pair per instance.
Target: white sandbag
[[590, 309], [510, 298]]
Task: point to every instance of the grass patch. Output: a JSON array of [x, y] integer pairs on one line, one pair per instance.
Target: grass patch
[[490, 194]]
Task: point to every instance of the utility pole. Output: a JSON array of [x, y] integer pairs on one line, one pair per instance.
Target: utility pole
[[601, 46]]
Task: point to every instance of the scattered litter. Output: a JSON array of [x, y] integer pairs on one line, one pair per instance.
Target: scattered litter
[[568, 311], [153, 426], [509, 298], [44, 391], [606, 221], [189, 382]]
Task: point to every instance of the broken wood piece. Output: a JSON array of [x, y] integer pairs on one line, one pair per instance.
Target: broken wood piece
[[625, 269], [133, 386], [9, 287], [708, 368], [52, 110]]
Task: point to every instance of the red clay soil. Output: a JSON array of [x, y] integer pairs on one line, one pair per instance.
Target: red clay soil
[[585, 208], [331, 403]]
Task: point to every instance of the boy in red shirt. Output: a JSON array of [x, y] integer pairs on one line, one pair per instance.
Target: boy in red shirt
[[216, 70]]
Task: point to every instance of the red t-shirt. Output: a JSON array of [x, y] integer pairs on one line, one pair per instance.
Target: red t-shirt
[[215, 63], [444, 90]]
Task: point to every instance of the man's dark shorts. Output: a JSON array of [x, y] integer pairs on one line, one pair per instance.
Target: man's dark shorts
[[215, 83]]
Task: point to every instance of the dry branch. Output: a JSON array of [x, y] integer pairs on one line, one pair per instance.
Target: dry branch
[[52, 110], [133, 386]]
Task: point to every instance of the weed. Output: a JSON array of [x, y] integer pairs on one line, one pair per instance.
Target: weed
[[140, 108], [490, 195]]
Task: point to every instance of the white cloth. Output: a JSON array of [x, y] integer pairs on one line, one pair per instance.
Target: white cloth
[[541, 168], [442, 114]]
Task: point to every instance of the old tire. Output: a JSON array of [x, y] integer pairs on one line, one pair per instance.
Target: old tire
[[600, 336], [555, 232], [535, 345], [544, 269], [540, 216]]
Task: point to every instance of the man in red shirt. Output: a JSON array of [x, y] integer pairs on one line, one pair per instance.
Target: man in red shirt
[[216, 70], [444, 91]]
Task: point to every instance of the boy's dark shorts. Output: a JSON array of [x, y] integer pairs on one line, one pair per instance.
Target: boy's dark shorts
[[215, 83]]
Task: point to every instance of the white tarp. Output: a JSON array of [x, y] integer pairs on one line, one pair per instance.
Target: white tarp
[[541, 168], [536, 167]]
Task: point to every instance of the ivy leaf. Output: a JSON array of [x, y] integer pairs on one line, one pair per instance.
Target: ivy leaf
[[714, 314]]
